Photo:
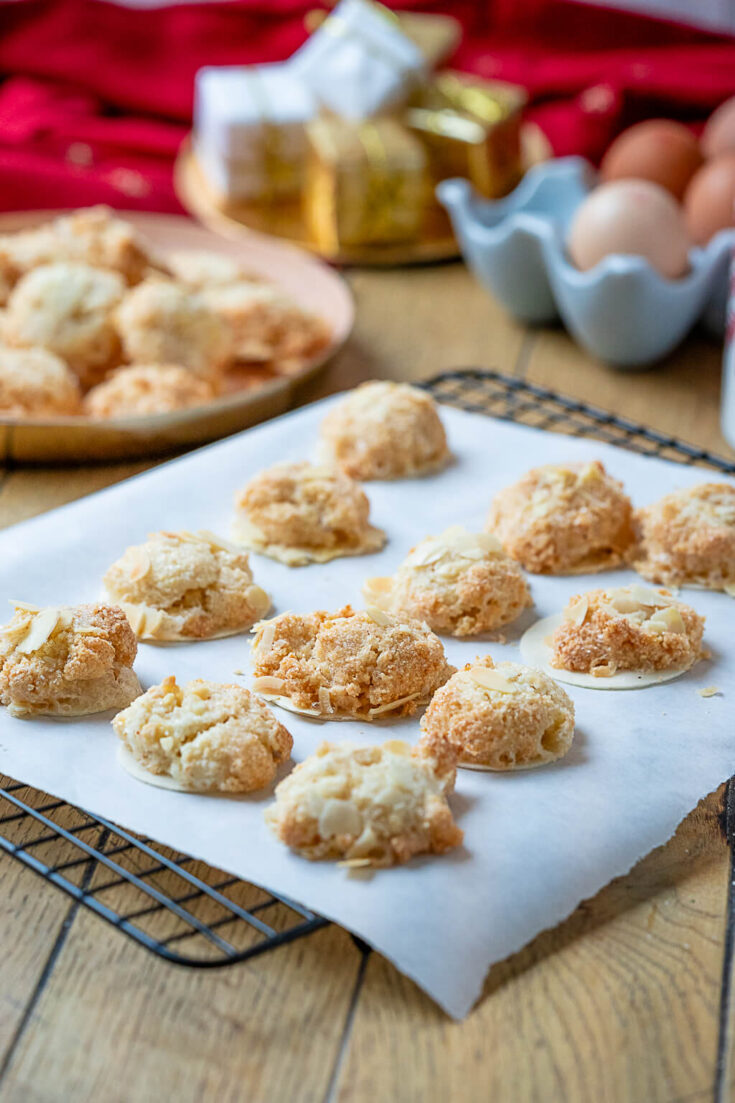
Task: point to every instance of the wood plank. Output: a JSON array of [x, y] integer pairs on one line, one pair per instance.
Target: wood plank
[[28, 491], [680, 397], [412, 324], [32, 912], [618, 1003], [117, 1024]]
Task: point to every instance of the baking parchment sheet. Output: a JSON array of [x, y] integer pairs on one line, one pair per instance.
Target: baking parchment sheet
[[536, 842]]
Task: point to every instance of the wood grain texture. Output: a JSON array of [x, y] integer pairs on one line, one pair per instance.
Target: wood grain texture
[[116, 1024], [617, 1003]]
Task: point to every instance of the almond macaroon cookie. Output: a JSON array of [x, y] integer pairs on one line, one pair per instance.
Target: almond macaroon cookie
[[629, 628], [67, 660], [203, 737], [266, 325], [201, 268], [368, 806], [91, 235], [144, 389], [67, 308], [564, 519], [460, 583], [35, 383], [186, 586], [384, 430], [161, 322], [360, 665], [504, 717], [299, 513], [688, 538]]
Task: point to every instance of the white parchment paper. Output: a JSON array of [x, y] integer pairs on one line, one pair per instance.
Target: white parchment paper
[[536, 842]]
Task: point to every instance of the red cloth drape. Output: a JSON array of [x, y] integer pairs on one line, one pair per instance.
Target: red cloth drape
[[95, 98]]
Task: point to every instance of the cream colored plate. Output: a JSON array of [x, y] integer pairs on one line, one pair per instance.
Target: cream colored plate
[[307, 280], [536, 652]]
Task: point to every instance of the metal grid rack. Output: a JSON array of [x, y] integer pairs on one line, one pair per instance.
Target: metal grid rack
[[182, 909]]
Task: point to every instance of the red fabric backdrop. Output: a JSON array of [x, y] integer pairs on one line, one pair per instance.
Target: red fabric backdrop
[[96, 98]]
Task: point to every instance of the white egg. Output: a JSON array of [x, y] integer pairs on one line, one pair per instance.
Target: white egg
[[633, 217]]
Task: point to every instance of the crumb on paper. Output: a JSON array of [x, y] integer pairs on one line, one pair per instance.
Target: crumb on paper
[[710, 691], [240, 672]]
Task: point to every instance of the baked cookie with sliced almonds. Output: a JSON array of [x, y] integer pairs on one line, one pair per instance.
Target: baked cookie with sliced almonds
[[67, 660], [68, 309], [267, 326], [564, 519], [368, 806], [460, 583], [202, 737], [198, 269], [91, 235], [504, 717], [35, 384], [299, 513], [630, 628], [688, 538], [143, 389], [384, 430], [348, 664], [186, 586], [161, 322]]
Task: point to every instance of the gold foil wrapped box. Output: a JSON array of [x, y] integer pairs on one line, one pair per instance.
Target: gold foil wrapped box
[[366, 183], [471, 128]]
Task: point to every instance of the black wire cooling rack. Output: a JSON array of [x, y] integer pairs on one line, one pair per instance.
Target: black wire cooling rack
[[182, 909]]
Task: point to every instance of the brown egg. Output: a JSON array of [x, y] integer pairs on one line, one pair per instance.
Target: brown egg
[[718, 135], [634, 217], [709, 202], [659, 150]]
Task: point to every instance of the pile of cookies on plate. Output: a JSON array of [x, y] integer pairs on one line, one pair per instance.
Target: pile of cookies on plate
[[378, 805], [95, 324]]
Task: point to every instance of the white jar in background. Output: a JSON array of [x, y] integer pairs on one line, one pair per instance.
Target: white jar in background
[[728, 364]]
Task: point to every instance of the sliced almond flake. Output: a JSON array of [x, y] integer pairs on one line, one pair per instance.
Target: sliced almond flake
[[391, 705], [489, 543], [729, 588], [576, 612], [605, 671], [218, 542], [265, 643], [489, 678], [40, 629], [143, 619], [669, 619], [397, 746], [238, 672], [426, 556], [140, 563], [378, 616], [646, 596], [325, 700], [259, 599], [590, 473], [25, 607], [709, 691], [355, 863], [268, 684]]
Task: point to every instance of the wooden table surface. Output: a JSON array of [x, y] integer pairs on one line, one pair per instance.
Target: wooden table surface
[[620, 1002]]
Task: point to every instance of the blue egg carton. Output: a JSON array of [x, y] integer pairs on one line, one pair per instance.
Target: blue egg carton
[[622, 310]]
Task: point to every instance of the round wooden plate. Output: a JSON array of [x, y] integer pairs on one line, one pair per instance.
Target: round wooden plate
[[307, 280]]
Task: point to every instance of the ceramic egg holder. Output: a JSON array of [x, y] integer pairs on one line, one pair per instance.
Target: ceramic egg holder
[[622, 310]]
